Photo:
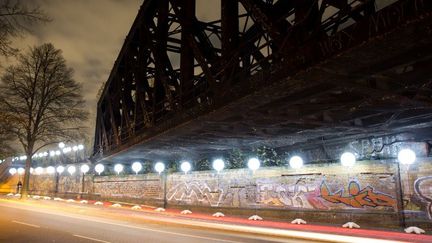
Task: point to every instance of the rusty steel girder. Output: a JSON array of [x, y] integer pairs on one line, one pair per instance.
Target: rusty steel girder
[[174, 67]]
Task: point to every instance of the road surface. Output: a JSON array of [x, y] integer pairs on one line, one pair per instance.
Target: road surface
[[24, 223]]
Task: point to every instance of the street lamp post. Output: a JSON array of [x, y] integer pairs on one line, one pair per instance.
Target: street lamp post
[[406, 157], [59, 171], [253, 165], [136, 167], [84, 169], [218, 165], [401, 203], [160, 167]]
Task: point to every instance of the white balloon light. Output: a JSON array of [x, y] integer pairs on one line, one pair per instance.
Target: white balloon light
[[254, 164], [296, 162], [60, 169], [57, 152], [12, 171], [61, 145], [85, 168], [67, 150], [136, 167], [71, 169], [50, 170], [99, 168], [406, 156], [348, 159], [185, 166], [218, 165], [80, 147], [75, 148], [52, 153], [159, 167], [20, 171], [39, 170], [118, 168]]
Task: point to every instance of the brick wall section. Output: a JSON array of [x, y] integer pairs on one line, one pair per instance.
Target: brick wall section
[[137, 188], [367, 193]]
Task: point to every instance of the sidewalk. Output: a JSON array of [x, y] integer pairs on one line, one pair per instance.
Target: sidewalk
[[243, 225]]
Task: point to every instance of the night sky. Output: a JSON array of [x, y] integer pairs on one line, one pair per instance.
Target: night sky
[[91, 34]]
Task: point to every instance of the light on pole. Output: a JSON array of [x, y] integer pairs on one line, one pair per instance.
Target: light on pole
[[12, 171], [254, 164], [84, 168], [348, 159], [118, 168], [71, 169], [185, 166], [159, 167], [20, 171], [99, 168], [296, 162], [60, 169], [67, 150], [61, 145], [406, 156], [218, 165], [136, 167]]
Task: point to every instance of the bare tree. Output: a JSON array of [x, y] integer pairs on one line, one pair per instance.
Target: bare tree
[[43, 101], [5, 137], [15, 20]]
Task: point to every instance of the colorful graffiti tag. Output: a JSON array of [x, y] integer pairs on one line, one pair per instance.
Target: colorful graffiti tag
[[423, 188], [357, 198], [304, 193]]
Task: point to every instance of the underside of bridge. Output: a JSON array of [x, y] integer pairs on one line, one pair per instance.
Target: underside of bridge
[[293, 75]]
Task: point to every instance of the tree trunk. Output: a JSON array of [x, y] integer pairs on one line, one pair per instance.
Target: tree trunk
[[26, 182]]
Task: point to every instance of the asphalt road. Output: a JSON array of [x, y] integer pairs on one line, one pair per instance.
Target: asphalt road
[[27, 224]]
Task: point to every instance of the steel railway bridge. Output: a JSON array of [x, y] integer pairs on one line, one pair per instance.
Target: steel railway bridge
[[289, 74]]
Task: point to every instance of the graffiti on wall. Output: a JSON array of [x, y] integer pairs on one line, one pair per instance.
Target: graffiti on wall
[[200, 193], [423, 188], [296, 192], [236, 193], [357, 197], [303, 193], [375, 146]]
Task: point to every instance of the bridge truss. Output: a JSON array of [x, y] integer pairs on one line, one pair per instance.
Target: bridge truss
[[175, 67]]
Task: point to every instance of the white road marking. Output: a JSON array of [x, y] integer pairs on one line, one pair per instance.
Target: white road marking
[[89, 238], [31, 225], [130, 226]]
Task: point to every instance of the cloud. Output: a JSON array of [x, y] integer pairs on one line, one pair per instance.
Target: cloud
[[90, 34]]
